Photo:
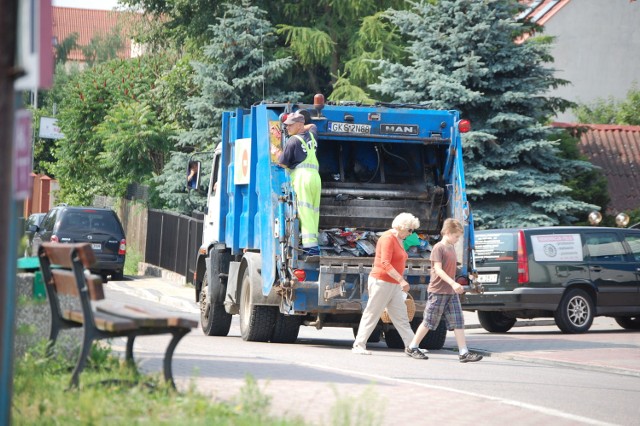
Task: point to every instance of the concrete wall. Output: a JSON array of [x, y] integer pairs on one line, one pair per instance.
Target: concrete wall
[[597, 49], [33, 322]]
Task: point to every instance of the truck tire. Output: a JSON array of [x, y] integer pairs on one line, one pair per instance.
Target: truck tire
[[286, 329], [629, 323], [214, 320], [373, 338], [393, 339], [575, 312], [495, 321], [256, 322], [434, 338]]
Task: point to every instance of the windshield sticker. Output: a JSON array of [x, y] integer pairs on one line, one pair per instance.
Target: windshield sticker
[[557, 248]]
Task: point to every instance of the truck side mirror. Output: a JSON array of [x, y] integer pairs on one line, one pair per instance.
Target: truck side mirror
[[193, 175]]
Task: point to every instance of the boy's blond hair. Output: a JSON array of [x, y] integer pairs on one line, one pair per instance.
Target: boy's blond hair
[[452, 226]]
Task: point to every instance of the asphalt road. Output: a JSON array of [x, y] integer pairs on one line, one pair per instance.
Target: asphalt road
[[531, 375]]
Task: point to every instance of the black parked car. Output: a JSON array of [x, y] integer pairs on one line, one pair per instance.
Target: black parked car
[[572, 274], [30, 227], [100, 227]]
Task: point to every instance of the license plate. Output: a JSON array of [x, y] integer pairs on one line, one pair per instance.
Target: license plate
[[96, 246], [359, 129], [488, 278]]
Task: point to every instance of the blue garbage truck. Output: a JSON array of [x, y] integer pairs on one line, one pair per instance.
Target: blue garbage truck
[[375, 162]]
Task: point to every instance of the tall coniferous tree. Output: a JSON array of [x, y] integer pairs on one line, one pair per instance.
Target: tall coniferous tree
[[462, 54], [240, 68]]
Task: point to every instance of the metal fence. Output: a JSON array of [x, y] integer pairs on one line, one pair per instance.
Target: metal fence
[[173, 241]]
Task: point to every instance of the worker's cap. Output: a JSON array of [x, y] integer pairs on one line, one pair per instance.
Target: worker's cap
[[295, 117]]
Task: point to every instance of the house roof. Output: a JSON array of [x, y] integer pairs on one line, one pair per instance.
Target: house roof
[[616, 149], [540, 11], [89, 23]]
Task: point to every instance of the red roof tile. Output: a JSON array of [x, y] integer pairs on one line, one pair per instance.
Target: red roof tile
[[89, 23], [616, 149], [539, 11]]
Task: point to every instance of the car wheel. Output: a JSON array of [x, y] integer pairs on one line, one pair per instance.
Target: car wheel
[[575, 312], [495, 322], [117, 275], [629, 323]]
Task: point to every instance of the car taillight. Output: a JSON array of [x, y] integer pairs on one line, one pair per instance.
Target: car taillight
[[300, 274], [54, 239], [523, 264], [122, 248]]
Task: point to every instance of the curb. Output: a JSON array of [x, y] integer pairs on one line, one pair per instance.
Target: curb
[[149, 270], [527, 323]]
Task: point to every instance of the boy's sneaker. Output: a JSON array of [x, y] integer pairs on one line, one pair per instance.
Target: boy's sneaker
[[415, 353], [360, 351], [470, 357]]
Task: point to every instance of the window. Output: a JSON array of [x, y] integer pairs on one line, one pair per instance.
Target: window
[[634, 244], [605, 247], [496, 246]]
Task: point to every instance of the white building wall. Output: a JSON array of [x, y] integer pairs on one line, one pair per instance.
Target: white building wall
[[597, 49]]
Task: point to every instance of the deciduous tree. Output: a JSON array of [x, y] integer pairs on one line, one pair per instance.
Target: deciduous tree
[[611, 111], [85, 102]]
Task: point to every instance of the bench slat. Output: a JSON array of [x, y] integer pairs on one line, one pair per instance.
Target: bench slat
[[60, 254], [104, 322], [144, 316], [65, 283]]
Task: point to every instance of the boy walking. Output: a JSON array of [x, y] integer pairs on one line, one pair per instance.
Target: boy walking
[[443, 293]]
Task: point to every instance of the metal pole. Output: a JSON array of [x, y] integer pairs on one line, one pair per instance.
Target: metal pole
[[8, 239]]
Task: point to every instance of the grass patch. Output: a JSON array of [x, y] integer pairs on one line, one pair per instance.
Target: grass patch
[[41, 396], [131, 262]]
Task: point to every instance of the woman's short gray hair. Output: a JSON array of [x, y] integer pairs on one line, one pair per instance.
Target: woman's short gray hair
[[405, 221]]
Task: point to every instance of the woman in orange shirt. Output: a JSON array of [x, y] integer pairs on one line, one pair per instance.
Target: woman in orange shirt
[[386, 285]]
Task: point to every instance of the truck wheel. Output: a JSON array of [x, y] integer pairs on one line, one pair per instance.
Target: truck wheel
[[495, 321], [373, 338], [214, 320], [256, 322], [434, 338], [286, 329], [629, 323], [575, 312], [393, 339]]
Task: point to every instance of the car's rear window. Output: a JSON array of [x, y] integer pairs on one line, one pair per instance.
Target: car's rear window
[[95, 220], [496, 246]]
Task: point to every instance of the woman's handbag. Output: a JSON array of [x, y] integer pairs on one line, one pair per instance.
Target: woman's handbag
[[411, 310]]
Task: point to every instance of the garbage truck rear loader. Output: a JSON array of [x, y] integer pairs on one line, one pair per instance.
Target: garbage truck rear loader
[[375, 162]]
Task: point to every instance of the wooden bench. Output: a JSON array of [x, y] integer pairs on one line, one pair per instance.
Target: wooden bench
[[65, 269]]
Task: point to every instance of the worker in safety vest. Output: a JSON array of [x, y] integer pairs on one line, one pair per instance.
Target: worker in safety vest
[[299, 156]]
